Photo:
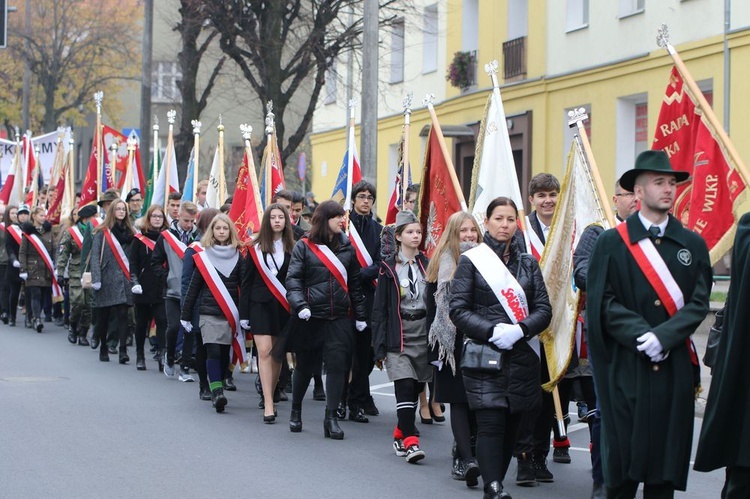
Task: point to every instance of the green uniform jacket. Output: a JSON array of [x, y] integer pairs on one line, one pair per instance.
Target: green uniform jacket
[[725, 434], [647, 409], [70, 256]]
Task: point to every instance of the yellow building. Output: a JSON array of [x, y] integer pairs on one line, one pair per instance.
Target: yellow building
[[554, 56]]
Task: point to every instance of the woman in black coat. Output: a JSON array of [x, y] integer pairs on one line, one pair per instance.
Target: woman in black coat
[[221, 247], [148, 289], [14, 217], [499, 397], [264, 314], [317, 296]]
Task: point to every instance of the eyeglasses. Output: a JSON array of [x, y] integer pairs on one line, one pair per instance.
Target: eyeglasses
[[156, 215], [365, 197], [625, 195]]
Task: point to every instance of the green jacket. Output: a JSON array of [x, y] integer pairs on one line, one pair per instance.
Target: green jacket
[[647, 409], [724, 439], [70, 257]]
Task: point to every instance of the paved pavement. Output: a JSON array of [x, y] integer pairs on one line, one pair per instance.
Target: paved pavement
[[71, 426]]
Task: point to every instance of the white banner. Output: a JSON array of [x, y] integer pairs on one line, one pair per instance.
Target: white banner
[[47, 145]]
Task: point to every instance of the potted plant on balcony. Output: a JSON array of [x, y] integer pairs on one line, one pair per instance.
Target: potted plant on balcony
[[459, 70]]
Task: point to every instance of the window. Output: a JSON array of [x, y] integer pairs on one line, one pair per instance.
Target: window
[[430, 39], [518, 19], [632, 131], [397, 52], [576, 15], [469, 25], [164, 82], [330, 86], [631, 7]]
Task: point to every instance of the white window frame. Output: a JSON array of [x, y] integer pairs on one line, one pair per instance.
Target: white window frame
[[469, 25], [631, 8], [164, 82], [331, 84], [625, 131]]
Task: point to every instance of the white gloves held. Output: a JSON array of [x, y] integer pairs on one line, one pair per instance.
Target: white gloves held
[[304, 314], [360, 325], [650, 345], [16, 264], [504, 336], [137, 289], [187, 326], [96, 286], [24, 275], [245, 324]]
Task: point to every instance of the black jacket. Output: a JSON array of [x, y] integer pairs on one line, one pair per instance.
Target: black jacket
[[536, 226], [142, 273], [475, 311], [254, 287], [309, 284], [387, 328], [13, 249], [582, 254], [369, 230], [208, 304]]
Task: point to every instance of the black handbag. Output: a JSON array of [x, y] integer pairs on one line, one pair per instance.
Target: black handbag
[[484, 357]]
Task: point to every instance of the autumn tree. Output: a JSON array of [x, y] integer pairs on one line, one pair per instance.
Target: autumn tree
[[74, 49], [284, 49]]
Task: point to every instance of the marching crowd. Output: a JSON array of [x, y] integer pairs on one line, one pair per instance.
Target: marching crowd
[[459, 329]]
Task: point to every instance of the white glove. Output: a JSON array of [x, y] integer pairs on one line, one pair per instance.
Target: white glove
[[245, 324], [649, 344], [187, 326], [23, 275], [437, 363], [304, 314], [17, 264], [659, 357], [504, 336], [360, 325], [96, 286], [137, 289]]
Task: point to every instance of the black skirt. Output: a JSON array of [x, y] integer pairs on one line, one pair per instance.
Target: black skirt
[[449, 388], [267, 318]]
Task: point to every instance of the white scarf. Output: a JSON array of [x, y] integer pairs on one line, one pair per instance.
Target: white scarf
[[223, 258]]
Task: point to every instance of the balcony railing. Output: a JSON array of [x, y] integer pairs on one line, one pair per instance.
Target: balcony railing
[[514, 59]]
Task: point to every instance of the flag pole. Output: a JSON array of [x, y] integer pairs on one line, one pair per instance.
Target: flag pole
[[350, 146], [405, 153], [662, 39], [35, 176], [444, 148], [196, 157], [98, 96], [267, 179], [171, 115], [576, 119], [127, 184], [68, 201], [156, 150], [222, 180]]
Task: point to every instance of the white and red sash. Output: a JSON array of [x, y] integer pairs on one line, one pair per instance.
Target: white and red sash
[[96, 222], [175, 244], [2, 226], [16, 233], [147, 241], [506, 288], [118, 252], [38, 245], [657, 274], [77, 236], [331, 262], [534, 242], [273, 284], [221, 294], [363, 256]]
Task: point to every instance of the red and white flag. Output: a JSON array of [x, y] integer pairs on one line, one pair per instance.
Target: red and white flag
[[246, 211], [706, 203]]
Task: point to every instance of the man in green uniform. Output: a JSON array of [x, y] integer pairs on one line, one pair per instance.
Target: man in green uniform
[[639, 335], [724, 440]]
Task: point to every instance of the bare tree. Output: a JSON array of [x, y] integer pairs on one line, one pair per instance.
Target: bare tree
[[74, 49], [284, 47]]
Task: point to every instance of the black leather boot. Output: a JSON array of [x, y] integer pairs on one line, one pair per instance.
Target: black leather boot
[[72, 333], [525, 476], [218, 399], [494, 490], [140, 361], [4, 318], [295, 421], [83, 337], [124, 358], [331, 428]]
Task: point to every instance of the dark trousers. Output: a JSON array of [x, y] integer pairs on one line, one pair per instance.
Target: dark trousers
[[407, 393], [47, 301], [144, 314], [335, 349], [536, 425], [737, 484], [120, 315], [362, 363], [628, 489], [173, 311], [35, 303], [9, 297], [200, 358], [4, 290], [496, 437]]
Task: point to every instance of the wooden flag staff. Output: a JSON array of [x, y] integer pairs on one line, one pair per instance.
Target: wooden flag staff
[[196, 158], [405, 152]]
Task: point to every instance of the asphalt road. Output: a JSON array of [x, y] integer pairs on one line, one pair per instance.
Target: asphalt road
[[71, 426]]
